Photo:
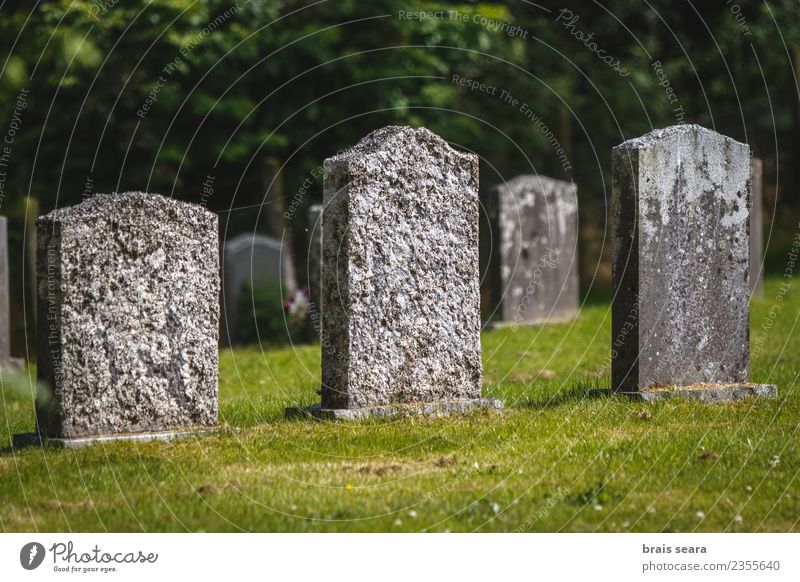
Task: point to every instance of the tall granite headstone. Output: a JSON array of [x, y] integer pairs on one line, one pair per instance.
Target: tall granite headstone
[[756, 228], [400, 278], [128, 305], [680, 266], [534, 265], [249, 261]]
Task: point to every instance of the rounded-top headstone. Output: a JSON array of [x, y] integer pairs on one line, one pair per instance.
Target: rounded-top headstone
[[250, 261]]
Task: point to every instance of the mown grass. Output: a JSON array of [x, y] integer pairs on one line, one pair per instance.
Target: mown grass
[[560, 458]]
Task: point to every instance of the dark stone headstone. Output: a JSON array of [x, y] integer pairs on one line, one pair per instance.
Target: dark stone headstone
[[5, 302], [249, 261], [680, 261], [315, 253]]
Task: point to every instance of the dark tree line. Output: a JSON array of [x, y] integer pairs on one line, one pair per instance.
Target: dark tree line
[[235, 104]]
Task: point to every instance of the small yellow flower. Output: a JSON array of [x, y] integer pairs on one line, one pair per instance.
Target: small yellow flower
[[349, 486]]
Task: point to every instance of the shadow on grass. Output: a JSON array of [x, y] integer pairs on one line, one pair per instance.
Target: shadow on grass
[[597, 296], [580, 391]]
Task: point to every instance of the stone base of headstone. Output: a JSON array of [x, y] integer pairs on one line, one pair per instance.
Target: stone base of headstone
[[432, 409], [33, 439], [706, 393]]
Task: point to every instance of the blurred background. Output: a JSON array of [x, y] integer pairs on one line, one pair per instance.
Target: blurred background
[[236, 105]]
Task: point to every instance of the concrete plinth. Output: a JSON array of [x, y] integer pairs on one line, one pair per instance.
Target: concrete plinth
[[32, 439], [706, 393]]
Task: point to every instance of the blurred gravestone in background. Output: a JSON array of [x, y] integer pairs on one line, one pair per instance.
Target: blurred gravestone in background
[[314, 254], [534, 259], [251, 272], [21, 238], [259, 272], [5, 300]]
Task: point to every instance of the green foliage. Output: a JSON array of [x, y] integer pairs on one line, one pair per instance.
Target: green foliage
[[300, 80], [263, 319], [261, 314]]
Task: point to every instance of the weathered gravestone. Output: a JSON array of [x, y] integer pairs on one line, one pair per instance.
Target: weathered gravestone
[[315, 254], [128, 319], [680, 266], [400, 279], [7, 363], [756, 228], [249, 261], [534, 263]]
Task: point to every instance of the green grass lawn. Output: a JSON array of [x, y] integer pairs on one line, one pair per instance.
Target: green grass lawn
[[558, 459]]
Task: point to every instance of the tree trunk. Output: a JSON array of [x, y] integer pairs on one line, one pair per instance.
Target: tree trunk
[[278, 225], [796, 69], [29, 258]]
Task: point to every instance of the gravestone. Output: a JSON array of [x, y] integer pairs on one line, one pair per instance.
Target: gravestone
[[128, 319], [680, 266], [756, 228], [400, 279], [534, 265], [7, 363], [315, 254], [249, 261]]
